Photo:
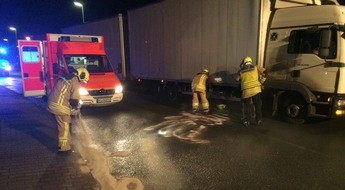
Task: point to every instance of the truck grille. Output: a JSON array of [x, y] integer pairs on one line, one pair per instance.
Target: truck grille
[[101, 92]]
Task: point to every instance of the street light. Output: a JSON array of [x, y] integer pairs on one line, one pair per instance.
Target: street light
[[15, 31], [78, 4]]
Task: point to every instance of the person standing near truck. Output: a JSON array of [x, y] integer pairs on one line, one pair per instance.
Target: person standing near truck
[[199, 91], [62, 99], [251, 78]]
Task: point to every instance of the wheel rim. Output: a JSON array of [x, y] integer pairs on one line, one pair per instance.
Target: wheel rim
[[293, 111], [172, 95]]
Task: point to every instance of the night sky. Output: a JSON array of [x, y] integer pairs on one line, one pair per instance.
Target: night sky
[[35, 18]]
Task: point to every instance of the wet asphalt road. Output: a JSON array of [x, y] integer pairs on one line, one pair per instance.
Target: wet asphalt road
[[161, 146], [170, 148]]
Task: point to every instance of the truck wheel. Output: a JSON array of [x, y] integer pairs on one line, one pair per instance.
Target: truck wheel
[[172, 92], [295, 111]]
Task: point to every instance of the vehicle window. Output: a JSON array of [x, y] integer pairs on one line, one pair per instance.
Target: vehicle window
[[93, 63], [30, 54], [307, 42]]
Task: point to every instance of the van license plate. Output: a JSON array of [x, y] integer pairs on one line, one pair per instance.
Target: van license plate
[[103, 100]]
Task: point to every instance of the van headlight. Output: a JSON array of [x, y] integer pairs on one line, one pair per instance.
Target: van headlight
[[118, 89], [83, 92]]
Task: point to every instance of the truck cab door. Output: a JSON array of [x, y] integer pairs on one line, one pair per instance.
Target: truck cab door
[[31, 62]]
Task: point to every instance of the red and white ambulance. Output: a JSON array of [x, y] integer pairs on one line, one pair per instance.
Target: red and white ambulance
[[43, 62]]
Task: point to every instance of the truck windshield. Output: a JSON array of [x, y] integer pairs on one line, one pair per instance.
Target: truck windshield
[[93, 63]]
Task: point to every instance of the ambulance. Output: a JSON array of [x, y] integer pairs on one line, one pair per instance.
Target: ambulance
[[43, 62]]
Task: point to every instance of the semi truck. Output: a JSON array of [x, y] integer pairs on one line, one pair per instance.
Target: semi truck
[[301, 44], [44, 62]]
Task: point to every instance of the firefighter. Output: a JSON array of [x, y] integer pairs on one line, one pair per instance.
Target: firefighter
[[62, 99], [252, 78], [199, 91]]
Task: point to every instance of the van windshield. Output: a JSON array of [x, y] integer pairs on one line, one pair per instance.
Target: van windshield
[[93, 63]]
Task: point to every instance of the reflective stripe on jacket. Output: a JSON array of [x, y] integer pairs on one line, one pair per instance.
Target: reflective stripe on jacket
[[199, 83], [63, 91], [250, 83]]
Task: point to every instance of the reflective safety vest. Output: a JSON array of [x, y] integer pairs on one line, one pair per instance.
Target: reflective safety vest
[[250, 83], [199, 83], [59, 97]]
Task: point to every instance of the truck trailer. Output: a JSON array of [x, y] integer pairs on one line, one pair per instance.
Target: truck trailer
[[300, 43], [43, 63]]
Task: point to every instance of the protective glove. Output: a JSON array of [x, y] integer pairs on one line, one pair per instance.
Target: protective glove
[[75, 111]]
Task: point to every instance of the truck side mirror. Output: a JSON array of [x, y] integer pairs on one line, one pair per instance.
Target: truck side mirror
[[325, 43], [56, 68]]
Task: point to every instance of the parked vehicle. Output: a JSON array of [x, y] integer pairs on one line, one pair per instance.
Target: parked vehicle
[[5, 65], [299, 42], [43, 62]]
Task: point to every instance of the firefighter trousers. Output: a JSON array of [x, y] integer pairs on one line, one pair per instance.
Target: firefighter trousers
[[204, 102], [64, 134], [252, 108]]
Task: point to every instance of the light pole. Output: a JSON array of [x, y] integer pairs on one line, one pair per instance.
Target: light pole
[[15, 31], [78, 4]]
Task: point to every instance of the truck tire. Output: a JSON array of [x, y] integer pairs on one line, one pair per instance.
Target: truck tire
[[172, 91], [295, 110]]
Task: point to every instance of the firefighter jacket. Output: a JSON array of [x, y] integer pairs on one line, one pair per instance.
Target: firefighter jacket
[[65, 89], [199, 83], [250, 76]]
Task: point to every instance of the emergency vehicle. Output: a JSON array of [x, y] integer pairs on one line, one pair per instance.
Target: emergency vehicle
[[43, 62]]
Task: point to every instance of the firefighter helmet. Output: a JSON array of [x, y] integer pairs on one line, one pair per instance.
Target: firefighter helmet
[[247, 60], [83, 74], [205, 71]]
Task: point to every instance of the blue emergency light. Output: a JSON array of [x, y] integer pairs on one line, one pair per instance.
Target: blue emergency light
[[3, 51], [4, 64]]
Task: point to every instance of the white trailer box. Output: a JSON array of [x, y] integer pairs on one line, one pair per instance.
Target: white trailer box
[[175, 39]]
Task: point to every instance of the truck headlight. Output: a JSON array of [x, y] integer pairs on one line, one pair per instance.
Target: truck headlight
[[118, 89], [340, 103], [83, 92], [339, 112]]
